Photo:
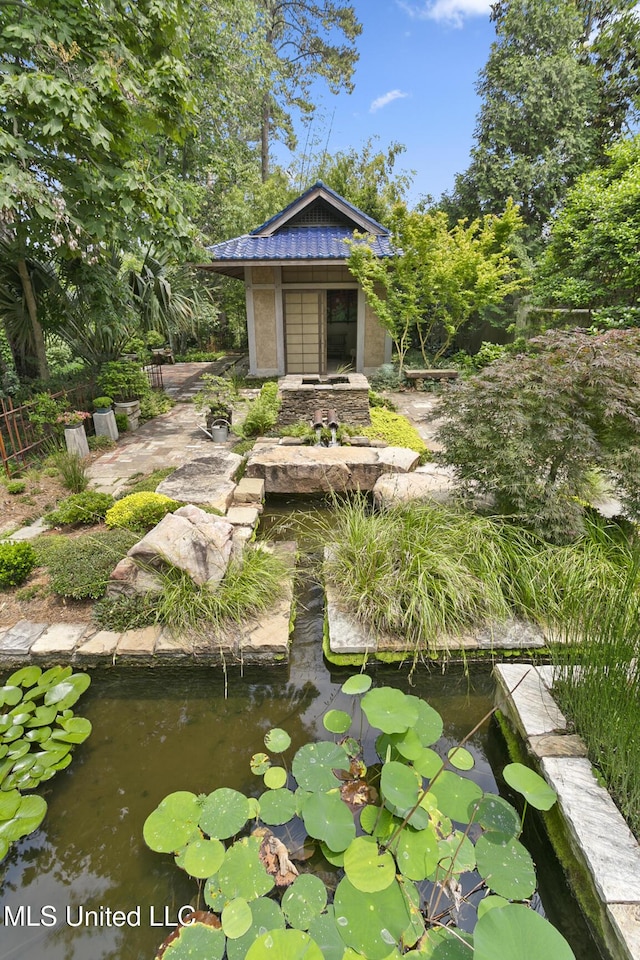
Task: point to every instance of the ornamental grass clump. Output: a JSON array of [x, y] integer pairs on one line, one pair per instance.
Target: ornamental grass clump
[[140, 511]]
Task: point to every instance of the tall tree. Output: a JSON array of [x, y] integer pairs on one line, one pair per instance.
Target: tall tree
[[82, 88], [533, 135], [303, 38]]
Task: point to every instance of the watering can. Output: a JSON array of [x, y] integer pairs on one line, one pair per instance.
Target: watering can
[[220, 430]]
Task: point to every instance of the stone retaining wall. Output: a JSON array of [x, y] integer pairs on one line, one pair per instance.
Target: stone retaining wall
[[302, 395]]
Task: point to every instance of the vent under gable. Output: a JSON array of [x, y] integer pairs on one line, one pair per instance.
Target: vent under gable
[[319, 213]]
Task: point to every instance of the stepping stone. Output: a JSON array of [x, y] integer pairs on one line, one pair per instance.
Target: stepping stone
[[249, 490], [59, 639], [138, 643], [19, 639], [243, 516], [31, 532], [172, 646], [101, 646], [204, 480]]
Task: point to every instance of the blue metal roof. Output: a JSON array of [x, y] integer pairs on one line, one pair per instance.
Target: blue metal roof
[[297, 243]]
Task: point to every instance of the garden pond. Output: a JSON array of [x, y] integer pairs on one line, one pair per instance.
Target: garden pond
[[165, 730]]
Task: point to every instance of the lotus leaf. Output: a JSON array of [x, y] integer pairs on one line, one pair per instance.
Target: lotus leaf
[[533, 788], [326, 817], [495, 813], [196, 940], [172, 823], [277, 806], [284, 945], [456, 796], [457, 853], [400, 785], [335, 858], [43, 717], [25, 677], [224, 813], [304, 900], [517, 933], [506, 866], [356, 685], [260, 763], [371, 923], [236, 918], [490, 903], [65, 693], [202, 858], [367, 868], [429, 725], [408, 744], [325, 933], [74, 730], [243, 874], [266, 915], [428, 763], [275, 778], [213, 895], [351, 746], [461, 759], [390, 710], [443, 944], [417, 852], [336, 721], [9, 803], [277, 740], [314, 763]]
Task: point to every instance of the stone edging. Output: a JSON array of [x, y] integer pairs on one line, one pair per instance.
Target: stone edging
[[596, 830]]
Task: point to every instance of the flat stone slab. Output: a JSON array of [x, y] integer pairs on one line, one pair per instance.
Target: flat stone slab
[[243, 516], [306, 469], [346, 635], [523, 695], [249, 490], [138, 643], [19, 639], [170, 644], [59, 639], [610, 849], [100, 646], [558, 745], [625, 920], [204, 480], [31, 532], [405, 487]]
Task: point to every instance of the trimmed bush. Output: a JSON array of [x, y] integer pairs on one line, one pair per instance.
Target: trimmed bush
[[80, 568], [263, 412], [17, 560], [140, 511], [16, 486], [395, 430], [87, 507]]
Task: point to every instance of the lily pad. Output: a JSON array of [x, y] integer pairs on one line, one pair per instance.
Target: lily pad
[[327, 818], [277, 806], [275, 778], [515, 932], [277, 740], [461, 758], [399, 784], [506, 866], [9, 803], [314, 763], [202, 858], [533, 788], [304, 900], [360, 683], [67, 692], [196, 940], [236, 918], [172, 823], [224, 813], [10, 695], [74, 730], [284, 945], [26, 819], [25, 676], [260, 763], [429, 725], [371, 923], [325, 933], [495, 813], [417, 852], [265, 915], [456, 796], [367, 868], [390, 710], [336, 721], [243, 874]]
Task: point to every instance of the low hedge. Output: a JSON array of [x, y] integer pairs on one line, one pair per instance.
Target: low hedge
[[17, 560]]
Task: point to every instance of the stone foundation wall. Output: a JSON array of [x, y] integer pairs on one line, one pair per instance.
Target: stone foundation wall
[[301, 395]]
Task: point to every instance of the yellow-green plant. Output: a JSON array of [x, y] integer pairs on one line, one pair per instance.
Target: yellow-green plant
[[140, 511], [395, 429]]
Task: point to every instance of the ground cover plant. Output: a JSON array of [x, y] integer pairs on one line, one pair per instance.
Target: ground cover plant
[[84, 508], [38, 731], [140, 511], [425, 572], [529, 430], [412, 858], [79, 568], [395, 430]]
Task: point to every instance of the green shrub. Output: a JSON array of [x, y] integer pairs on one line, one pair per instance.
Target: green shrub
[[125, 613], [102, 403], [123, 380], [100, 443], [386, 377], [377, 400], [73, 471], [199, 356], [81, 567], [17, 560], [140, 511], [153, 404], [16, 486], [122, 422], [395, 430], [263, 411], [87, 507]]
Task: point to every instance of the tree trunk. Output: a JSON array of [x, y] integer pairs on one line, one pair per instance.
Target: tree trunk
[[36, 328]]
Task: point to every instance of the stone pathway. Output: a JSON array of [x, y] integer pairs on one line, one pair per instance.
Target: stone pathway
[[598, 834]]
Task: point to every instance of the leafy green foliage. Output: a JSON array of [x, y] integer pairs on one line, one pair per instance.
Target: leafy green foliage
[[401, 882], [395, 429], [73, 471], [88, 507], [16, 486], [37, 733], [263, 412], [123, 380], [17, 560], [80, 567], [140, 511], [529, 429], [442, 277]]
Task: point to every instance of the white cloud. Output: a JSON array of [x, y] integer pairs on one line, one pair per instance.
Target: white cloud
[[385, 99], [452, 12]]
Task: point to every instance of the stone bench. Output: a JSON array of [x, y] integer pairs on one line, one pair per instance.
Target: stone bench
[[421, 375]]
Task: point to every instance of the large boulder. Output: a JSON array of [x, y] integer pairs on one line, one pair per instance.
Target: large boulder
[[204, 480], [191, 540]]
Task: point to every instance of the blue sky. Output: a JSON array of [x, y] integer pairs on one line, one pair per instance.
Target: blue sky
[[414, 83]]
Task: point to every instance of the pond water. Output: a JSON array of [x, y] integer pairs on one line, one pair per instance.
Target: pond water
[[159, 731]]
